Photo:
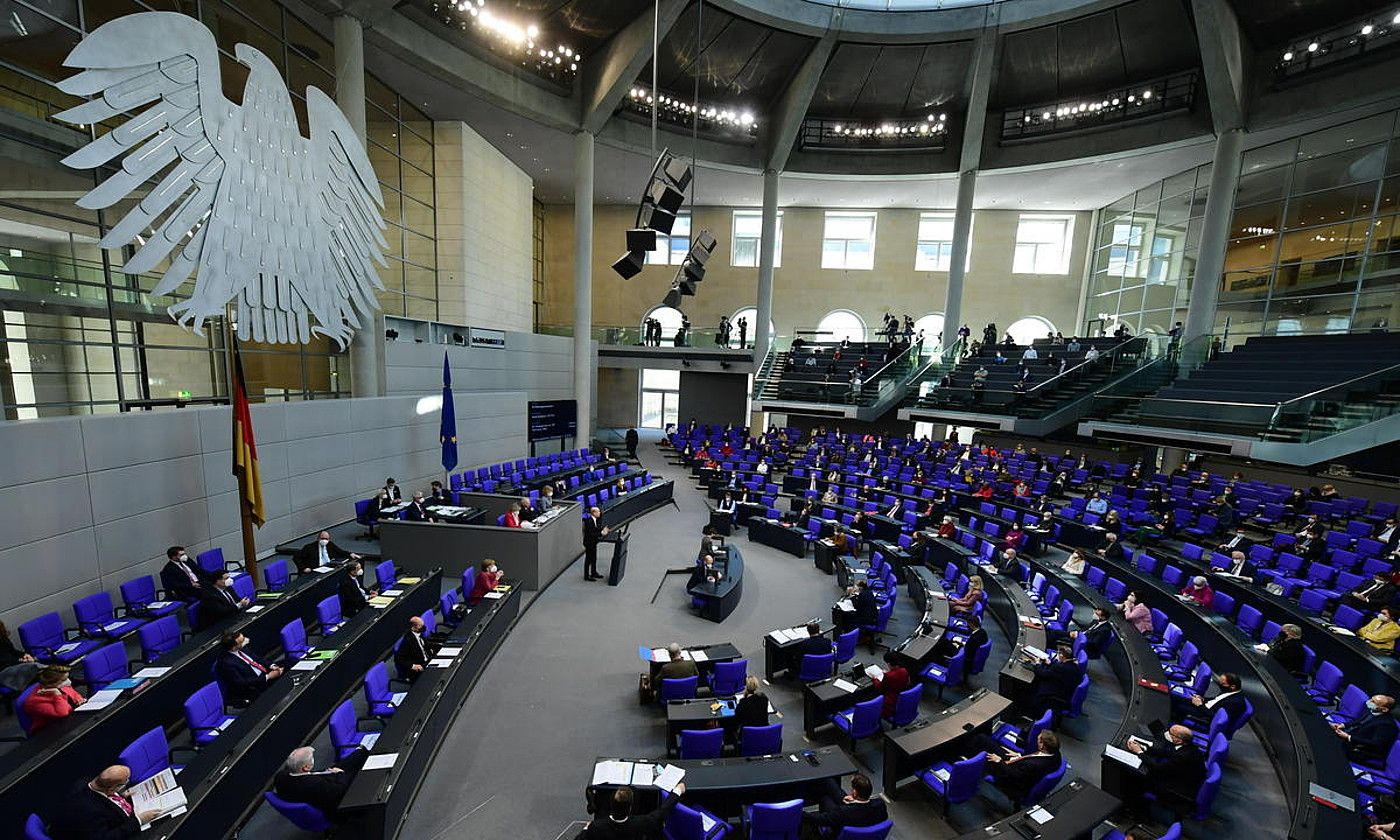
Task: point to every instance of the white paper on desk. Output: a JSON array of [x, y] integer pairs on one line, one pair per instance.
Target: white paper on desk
[[1340, 631], [1040, 815], [159, 605], [370, 739], [643, 774], [158, 793], [797, 634], [660, 655], [612, 773], [397, 697], [669, 777], [845, 605], [1035, 651], [1122, 756], [943, 774], [323, 569], [778, 636], [700, 656], [874, 672], [112, 627], [391, 592], [494, 596], [100, 700], [62, 649], [256, 608], [449, 651], [1262, 648], [150, 673], [942, 596], [381, 762], [306, 665], [441, 663], [844, 686]]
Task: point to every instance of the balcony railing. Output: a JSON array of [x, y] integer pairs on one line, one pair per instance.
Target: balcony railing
[[1153, 98]]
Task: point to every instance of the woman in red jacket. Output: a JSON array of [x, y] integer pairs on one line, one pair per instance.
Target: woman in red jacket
[[54, 699], [487, 577], [895, 680]]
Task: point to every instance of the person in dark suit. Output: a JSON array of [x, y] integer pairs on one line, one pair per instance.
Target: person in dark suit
[[1370, 737], [1113, 549], [414, 651], [242, 675], [300, 781], [353, 595], [752, 708], [1200, 710], [1054, 683], [219, 602], [1016, 775], [863, 599], [593, 531], [621, 824], [1237, 542], [181, 577], [1287, 648], [631, 440], [1240, 566], [838, 809], [815, 643], [97, 810], [1373, 594], [1173, 767], [391, 489], [417, 510], [321, 552], [438, 496], [951, 643]]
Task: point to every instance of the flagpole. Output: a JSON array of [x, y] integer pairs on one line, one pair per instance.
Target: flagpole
[[250, 545], [237, 383]]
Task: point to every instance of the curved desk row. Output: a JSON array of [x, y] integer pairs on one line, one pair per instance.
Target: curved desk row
[[620, 510], [224, 782], [1306, 753], [721, 597], [1020, 618], [378, 799], [40, 771]]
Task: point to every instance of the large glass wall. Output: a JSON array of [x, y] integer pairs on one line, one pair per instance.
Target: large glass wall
[[1314, 241], [79, 335]]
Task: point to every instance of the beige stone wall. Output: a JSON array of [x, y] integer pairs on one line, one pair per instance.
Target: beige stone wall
[[484, 232], [803, 290]]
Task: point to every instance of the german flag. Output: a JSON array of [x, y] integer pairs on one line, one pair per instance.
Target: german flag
[[245, 449]]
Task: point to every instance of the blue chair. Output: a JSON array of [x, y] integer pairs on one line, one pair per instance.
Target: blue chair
[[328, 615], [906, 706], [385, 574], [761, 740], [679, 689], [294, 643], [276, 575], [149, 754], [1351, 706], [947, 674], [845, 646], [98, 619], [105, 665], [687, 823], [381, 701], [34, 829], [727, 678], [345, 731], [979, 659], [1327, 683], [1205, 797], [701, 743], [956, 782], [25, 722], [212, 561], [367, 514], [1173, 833], [1076, 699], [1042, 788], [816, 666], [773, 821], [138, 594], [303, 816], [158, 637], [861, 720], [243, 587], [1010, 736], [204, 713], [878, 831]]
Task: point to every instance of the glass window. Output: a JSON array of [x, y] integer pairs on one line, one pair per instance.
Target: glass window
[[671, 321], [1042, 244], [671, 248], [935, 246], [1125, 252], [932, 328], [1030, 328], [660, 402], [841, 324], [848, 241], [748, 236]]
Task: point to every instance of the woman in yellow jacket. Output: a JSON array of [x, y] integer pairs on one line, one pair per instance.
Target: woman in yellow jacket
[[1382, 631]]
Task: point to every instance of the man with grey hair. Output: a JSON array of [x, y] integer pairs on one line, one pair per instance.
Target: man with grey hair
[[1287, 648], [679, 667], [300, 781]]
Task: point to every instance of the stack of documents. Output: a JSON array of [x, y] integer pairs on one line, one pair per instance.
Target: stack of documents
[[791, 634], [637, 773], [844, 685], [409, 581], [159, 793]]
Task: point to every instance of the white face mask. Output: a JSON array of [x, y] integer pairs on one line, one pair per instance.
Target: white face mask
[[324, 542], [184, 558], [491, 569]]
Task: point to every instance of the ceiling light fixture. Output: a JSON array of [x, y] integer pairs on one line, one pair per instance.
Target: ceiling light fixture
[[511, 37]]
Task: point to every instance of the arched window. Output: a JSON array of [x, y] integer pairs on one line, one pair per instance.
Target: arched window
[[1030, 328], [932, 325], [670, 319], [839, 324], [752, 314]]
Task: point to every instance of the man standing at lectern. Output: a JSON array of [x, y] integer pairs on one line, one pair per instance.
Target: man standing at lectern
[[593, 531]]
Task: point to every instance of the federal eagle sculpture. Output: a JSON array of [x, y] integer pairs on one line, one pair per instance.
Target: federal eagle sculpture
[[286, 228]]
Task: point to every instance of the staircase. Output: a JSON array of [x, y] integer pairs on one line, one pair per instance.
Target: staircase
[[787, 384]]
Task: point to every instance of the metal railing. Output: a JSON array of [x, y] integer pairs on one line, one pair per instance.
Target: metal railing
[[1151, 98], [632, 336], [1336, 45], [1333, 407]]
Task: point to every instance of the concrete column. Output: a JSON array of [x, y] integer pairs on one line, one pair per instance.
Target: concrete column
[[583, 284], [1172, 457], [957, 268], [1215, 235], [767, 248], [367, 346]]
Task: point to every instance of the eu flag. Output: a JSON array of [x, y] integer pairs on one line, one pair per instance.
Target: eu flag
[[447, 435]]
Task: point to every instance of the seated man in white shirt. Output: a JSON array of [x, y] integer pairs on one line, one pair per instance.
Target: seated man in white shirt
[[1030, 354]]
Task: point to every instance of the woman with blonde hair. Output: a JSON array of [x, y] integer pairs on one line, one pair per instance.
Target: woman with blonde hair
[[54, 699], [752, 709], [966, 602]]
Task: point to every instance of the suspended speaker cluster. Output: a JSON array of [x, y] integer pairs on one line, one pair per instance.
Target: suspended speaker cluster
[[692, 269], [661, 201]]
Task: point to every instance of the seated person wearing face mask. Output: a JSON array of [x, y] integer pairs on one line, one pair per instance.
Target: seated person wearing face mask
[[300, 781], [181, 576], [415, 650], [219, 602], [54, 699], [487, 578], [242, 675], [322, 552]]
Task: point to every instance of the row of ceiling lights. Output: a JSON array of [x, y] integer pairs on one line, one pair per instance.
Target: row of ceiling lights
[[519, 38], [932, 124], [1090, 108], [678, 108], [1368, 29]]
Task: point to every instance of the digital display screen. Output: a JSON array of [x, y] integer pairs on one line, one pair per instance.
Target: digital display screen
[[553, 419]]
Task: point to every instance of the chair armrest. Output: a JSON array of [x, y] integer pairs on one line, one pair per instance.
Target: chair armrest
[[173, 750]]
